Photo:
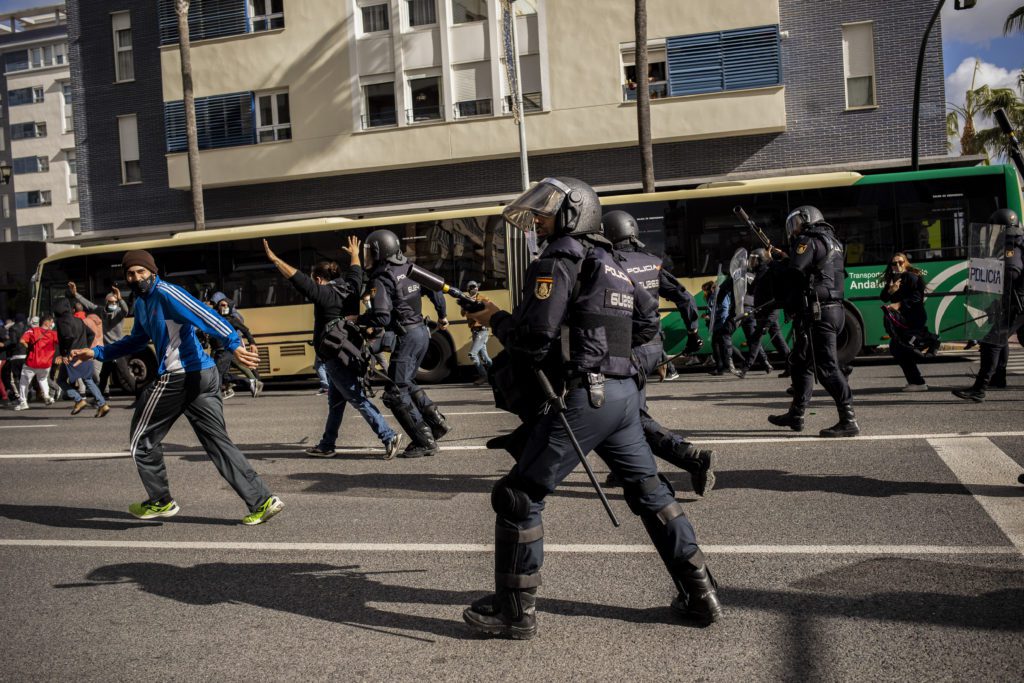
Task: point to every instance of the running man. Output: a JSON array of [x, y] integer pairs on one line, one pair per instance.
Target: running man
[[188, 383]]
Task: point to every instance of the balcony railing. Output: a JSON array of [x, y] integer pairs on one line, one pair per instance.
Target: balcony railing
[[658, 90], [470, 108], [433, 112], [532, 101], [380, 119]]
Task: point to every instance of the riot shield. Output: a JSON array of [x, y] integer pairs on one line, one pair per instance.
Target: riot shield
[[986, 306], [713, 303], [738, 273]]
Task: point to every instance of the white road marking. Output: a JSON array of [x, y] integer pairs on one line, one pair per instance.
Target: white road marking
[[482, 447], [486, 547], [982, 467], [26, 426]]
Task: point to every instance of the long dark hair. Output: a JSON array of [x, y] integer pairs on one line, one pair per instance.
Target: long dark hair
[[887, 277], [326, 270]]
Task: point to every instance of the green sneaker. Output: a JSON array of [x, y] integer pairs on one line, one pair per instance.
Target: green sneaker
[[271, 507], [148, 509]]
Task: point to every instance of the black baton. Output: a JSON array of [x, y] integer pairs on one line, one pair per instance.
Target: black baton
[[559, 405]]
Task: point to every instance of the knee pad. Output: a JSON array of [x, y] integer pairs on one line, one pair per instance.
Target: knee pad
[[392, 398], [636, 492], [510, 501]]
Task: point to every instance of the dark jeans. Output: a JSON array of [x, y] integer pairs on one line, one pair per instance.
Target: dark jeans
[[907, 358], [820, 337], [118, 367], [721, 344], [345, 388], [768, 325]]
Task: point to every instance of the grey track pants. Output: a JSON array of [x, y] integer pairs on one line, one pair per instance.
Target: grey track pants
[[197, 396]]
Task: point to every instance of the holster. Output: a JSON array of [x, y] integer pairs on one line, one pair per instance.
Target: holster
[[593, 382]]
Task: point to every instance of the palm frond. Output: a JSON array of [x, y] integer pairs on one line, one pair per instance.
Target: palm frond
[[1014, 22]]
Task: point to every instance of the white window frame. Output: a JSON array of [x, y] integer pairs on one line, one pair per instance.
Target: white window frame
[[125, 160], [38, 94], [71, 157], [378, 79], [6, 205], [122, 21], [266, 18], [451, 8], [847, 76], [274, 125], [66, 107], [418, 74], [407, 19], [362, 24], [3, 140]]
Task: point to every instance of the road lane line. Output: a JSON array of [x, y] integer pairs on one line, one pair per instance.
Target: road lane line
[[486, 547], [482, 447], [26, 426], [984, 469]]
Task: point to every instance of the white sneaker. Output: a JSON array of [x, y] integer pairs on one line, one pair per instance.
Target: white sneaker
[[915, 387], [21, 406], [49, 401]]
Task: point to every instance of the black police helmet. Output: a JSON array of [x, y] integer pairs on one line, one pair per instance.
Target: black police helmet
[[802, 217], [1008, 218], [620, 228], [384, 246], [580, 213]]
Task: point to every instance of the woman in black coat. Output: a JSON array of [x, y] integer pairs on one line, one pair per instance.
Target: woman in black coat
[[905, 317]]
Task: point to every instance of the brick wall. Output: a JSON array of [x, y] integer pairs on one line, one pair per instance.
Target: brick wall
[[819, 131]]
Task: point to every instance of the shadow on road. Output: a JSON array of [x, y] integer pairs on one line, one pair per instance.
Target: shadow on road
[[92, 518], [336, 594], [850, 485]]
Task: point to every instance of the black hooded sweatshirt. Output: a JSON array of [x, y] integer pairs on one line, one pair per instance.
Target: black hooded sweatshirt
[[72, 333]]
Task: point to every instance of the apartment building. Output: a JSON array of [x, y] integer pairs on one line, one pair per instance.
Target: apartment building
[[351, 107], [37, 140]]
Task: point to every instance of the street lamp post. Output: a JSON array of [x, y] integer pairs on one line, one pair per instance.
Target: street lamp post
[[915, 159]]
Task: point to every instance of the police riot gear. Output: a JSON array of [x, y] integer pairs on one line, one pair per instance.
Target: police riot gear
[[383, 246], [801, 218], [621, 229], [573, 204], [1008, 218], [576, 284], [816, 263]]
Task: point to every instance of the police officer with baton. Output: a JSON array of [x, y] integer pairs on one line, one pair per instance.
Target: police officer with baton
[[578, 284]]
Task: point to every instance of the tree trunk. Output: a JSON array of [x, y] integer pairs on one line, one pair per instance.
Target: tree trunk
[[643, 98], [185, 48]]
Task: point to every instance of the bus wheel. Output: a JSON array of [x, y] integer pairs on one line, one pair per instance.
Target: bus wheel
[[851, 339], [436, 364], [143, 369]]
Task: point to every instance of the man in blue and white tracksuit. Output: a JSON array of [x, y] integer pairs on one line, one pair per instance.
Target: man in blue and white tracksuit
[[188, 383]]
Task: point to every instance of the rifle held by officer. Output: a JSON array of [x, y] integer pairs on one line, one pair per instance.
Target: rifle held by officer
[[436, 283], [758, 232]]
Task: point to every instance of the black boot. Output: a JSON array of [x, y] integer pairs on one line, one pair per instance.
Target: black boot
[[697, 462], [422, 443], [970, 394], [509, 613], [794, 419], [431, 415], [847, 425], [698, 597]]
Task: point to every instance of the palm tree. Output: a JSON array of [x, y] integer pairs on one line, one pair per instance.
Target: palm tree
[[1014, 22], [972, 104], [643, 98], [993, 140], [185, 49]]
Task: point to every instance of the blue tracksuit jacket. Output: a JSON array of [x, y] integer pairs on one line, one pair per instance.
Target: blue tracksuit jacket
[[169, 317]]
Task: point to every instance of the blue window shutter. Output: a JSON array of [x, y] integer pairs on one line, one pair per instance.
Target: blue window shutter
[[726, 60], [206, 19], [221, 121]]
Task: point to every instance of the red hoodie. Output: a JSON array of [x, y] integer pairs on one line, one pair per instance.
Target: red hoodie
[[42, 347]]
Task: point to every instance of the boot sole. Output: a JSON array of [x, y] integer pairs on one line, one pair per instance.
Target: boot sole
[[843, 435], [795, 428], [701, 618], [504, 631]]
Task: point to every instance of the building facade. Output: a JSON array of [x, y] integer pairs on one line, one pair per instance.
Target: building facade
[[40, 203], [349, 107]]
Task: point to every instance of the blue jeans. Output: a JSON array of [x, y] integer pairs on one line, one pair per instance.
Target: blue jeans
[[345, 388], [72, 392], [478, 351], [321, 372]]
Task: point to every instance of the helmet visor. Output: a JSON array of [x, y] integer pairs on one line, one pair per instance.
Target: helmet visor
[[544, 199], [794, 221]]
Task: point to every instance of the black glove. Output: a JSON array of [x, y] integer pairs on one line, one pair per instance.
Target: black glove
[[693, 344]]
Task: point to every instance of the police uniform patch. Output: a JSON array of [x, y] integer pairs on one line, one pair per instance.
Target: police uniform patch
[[620, 300], [801, 248], [543, 286], [1009, 253]]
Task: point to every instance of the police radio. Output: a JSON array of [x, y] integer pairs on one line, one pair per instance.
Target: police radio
[[436, 283]]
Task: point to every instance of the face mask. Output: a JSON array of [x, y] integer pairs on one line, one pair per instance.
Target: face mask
[[111, 307], [142, 287], [223, 311]]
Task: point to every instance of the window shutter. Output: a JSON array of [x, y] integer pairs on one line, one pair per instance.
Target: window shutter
[[16, 61], [529, 73], [472, 81], [206, 19], [221, 121], [128, 129], [726, 60]]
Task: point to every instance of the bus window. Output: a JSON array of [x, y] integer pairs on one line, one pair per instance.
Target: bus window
[[459, 250], [191, 268], [326, 246], [56, 275], [105, 271], [863, 217], [250, 280]]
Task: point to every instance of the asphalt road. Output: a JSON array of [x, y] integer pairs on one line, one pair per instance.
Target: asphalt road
[[895, 555]]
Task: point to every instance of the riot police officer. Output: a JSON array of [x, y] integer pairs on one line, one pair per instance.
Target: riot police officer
[[765, 318], [815, 279], [396, 305], [577, 282], [645, 270], [995, 348]]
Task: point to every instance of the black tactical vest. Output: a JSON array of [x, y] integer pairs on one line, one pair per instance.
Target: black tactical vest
[[827, 273], [407, 298], [601, 317]]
